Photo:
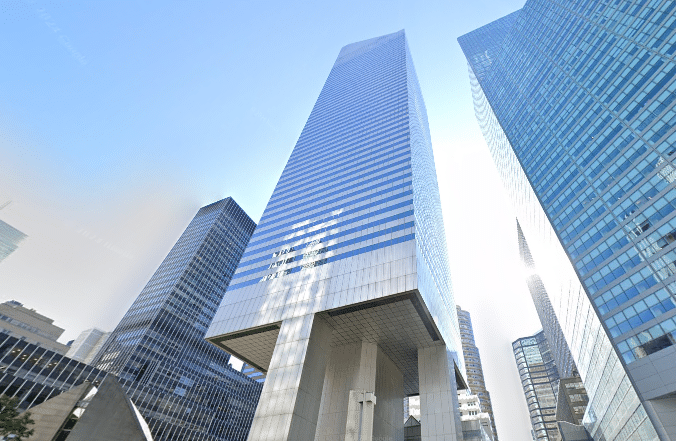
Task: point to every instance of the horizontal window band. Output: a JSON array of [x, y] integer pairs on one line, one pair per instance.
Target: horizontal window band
[[323, 202], [389, 110], [343, 157], [286, 242], [279, 245], [346, 243], [348, 109], [352, 253], [321, 155], [337, 177], [346, 204], [360, 155], [283, 242], [284, 204]]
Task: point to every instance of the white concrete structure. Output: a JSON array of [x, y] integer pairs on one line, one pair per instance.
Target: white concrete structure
[[470, 410], [87, 345]]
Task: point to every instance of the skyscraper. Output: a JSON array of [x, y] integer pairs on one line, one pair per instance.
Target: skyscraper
[[343, 296], [475, 371], [10, 238], [540, 381], [182, 385], [570, 385], [550, 324], [87, 345], [576, 102]]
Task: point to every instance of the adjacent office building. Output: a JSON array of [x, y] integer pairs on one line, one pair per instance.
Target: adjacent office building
[[475, 371], [572, 401], [570, 408], [10, 238], [87, 345], [343, 296], [477, 425], [576, 102], [540, 381], [25, 323], [183, 385], [550, 323], [34, 372]]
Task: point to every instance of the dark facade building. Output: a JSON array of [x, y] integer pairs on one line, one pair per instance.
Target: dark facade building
[[183, 385], [473, 367], [576, 101], [540, 379], [572, 401], [34, 373]]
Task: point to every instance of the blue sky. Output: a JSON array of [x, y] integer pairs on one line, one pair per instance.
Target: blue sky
[[118, 120]]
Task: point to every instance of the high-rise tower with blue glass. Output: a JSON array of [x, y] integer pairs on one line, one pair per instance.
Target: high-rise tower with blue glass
[[184, 386], [576, 101], [343, 296], [540, 381]]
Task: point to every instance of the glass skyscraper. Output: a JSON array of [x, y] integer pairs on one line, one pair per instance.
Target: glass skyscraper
[[540, 381], [475, 371], [10, 238], [550, 324], [343, 296], [576, 101], [182, 385]]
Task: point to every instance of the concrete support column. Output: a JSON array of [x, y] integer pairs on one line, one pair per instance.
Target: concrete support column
[[388, 421], [662, 413], [290, 399], [360, 409], [363, 396], [439, 418], [352, 367]]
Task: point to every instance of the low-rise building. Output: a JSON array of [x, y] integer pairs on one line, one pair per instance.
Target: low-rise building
[[476, 423], [34, 373], [22, 322]]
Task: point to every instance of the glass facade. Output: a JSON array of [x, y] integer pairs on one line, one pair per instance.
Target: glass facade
[[35, 374], [182, 385], [360, 179], [353, 235], [550, 324], [10, 238], [540, 381], [474, 369], [576, 102]]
